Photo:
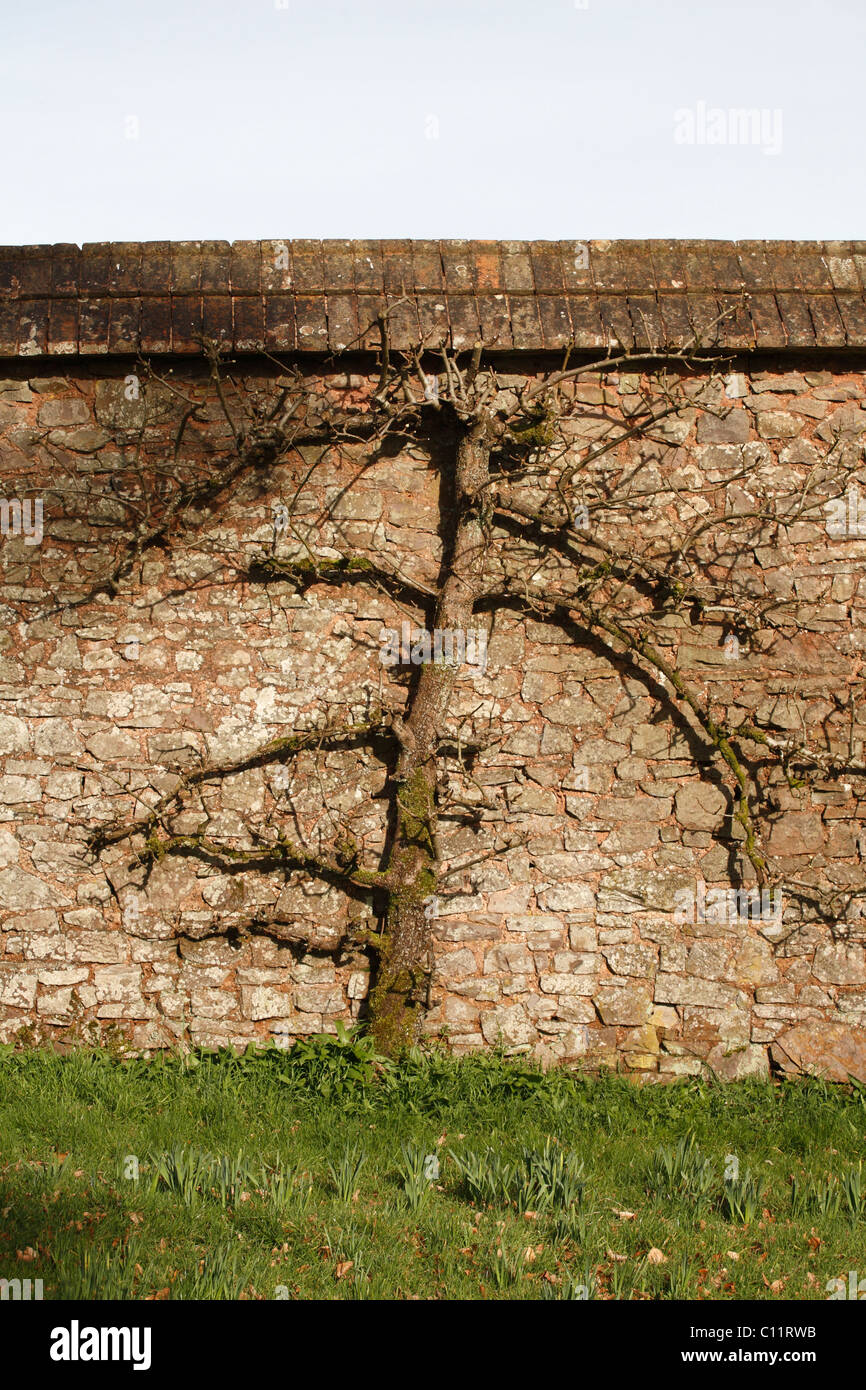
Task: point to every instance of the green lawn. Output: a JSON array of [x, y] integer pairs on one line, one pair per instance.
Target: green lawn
[[312, 1174]]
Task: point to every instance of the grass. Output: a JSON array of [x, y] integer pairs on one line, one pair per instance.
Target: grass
[[326, 1172]]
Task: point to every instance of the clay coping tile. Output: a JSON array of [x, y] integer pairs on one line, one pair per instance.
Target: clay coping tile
[[532, 295]]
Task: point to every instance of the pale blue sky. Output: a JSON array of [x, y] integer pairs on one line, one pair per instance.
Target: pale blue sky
[[456, 118]]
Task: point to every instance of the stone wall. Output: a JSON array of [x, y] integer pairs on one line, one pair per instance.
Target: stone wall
[[604, 937]]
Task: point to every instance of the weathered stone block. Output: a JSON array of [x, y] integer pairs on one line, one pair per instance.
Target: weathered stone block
[[639, 959], [628, 1005], [17, 789], [628, 890], [834, 1051], [22, 890], [567, 897], [508, 1026], [678, 989], [117, 983], [17, 986], [840, 963], [14, 735], [700, 806]]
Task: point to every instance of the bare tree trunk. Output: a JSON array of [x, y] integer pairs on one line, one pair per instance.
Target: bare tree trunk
[[403, 970]]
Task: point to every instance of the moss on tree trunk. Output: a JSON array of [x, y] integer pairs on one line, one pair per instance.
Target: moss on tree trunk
[[400, 991]]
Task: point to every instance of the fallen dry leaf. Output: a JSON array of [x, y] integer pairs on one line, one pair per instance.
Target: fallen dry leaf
[[529, 1254], [343, 1268], [619, 1258], [656, 1256], [776, 1286], [27, 1254], [732, 1254], [624, 1215]]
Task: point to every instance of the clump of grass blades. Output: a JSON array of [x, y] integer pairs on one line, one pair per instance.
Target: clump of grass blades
[[853, 1193], [541, 1180], [220, 1274], [183, 1172], [287, 1189], [346, 1172], [680, 1279], [681, 1173], [96, 1273], [192, 1175], [741, 1198], [348, 1249], [55, 1165], [621, 1282], [576, 1225], [505, 1268], [486, 1176], [414, 1170], [549, 1178], [229, 1175], [816, 1197]]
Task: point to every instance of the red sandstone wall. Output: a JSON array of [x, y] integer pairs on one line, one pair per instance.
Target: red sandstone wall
[[568, 946]]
